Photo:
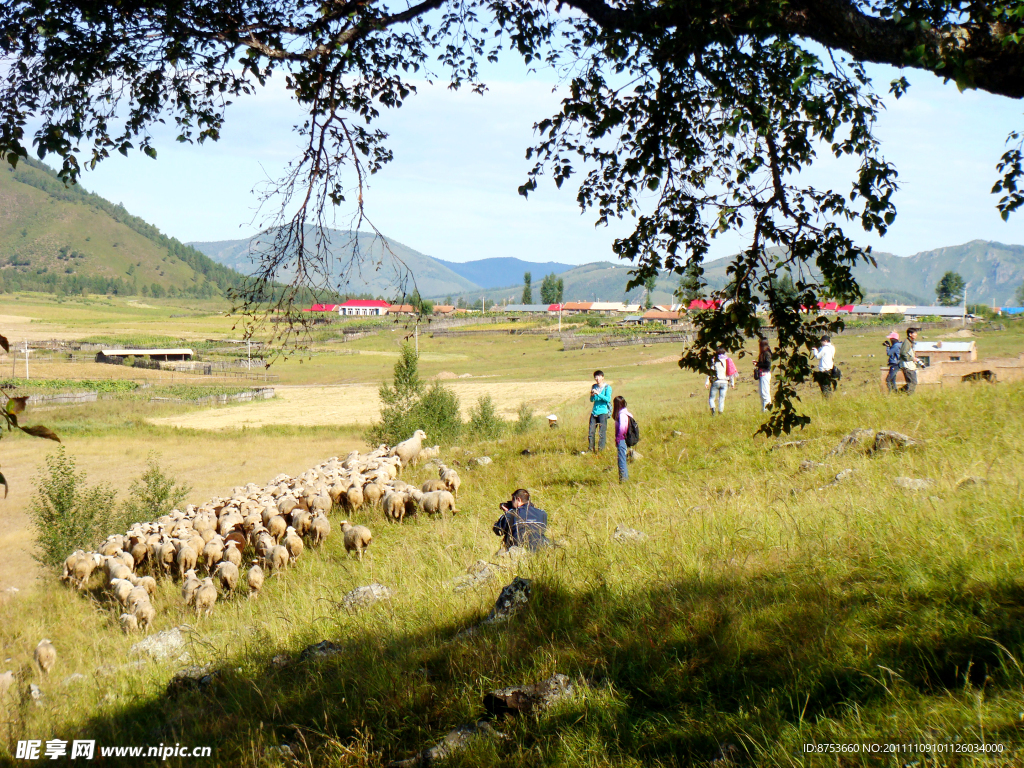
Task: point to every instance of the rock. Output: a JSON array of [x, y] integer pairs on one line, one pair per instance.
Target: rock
[[163, 645], [73, 678], [194, 678], [282, 752], [852, 440], [525, 452], [887, 441], [363, 597], [676, 433], [322, 650], [36, 694], [513, 597], [523, 699], [281, 661], [840, 477], [454, 742], [623, 534], [510, 556], [483, 461], [12, 590], [790, 444], [478, 573], [6, 682], [914, 484], [971, 480], [635, 455], [809, 466]]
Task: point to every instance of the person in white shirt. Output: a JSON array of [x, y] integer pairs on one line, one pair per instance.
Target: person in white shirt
[[725, 377], [826, 356]]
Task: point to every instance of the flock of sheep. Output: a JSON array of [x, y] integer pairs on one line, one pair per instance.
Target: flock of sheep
[[267, 528]]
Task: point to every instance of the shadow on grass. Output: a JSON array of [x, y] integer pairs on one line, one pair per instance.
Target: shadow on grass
[[674, 673]]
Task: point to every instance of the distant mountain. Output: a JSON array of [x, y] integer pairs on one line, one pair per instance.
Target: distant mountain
[[992, 272], [382, 271], [59, 238], [495, 273]]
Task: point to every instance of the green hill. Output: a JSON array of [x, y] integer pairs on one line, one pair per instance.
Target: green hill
[[64, 239]]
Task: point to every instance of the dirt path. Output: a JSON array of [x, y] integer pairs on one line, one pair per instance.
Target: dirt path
[[359, 404]]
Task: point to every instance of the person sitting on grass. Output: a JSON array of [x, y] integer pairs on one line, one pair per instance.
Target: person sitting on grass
[[521, 524]]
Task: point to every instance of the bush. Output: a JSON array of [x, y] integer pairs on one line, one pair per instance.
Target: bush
[[524, 420], [152, 495], [484, 421], [439, 415], [68, 515]]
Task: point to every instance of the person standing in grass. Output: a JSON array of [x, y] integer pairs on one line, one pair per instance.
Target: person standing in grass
[[892, 348], [763, 373], [826, 357], [601, 397], [620, 417], [909, 362], [725, 376]]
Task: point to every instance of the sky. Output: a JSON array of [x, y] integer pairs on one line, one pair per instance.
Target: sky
[[451, 191]]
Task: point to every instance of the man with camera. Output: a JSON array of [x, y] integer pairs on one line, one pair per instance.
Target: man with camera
[[521, 524]]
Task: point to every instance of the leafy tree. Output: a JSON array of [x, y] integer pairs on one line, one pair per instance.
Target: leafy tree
[[691, 283], [528, 288], [551, 289], [649, 284], [560, 285], [484, 422], [154, 494], [407, 405], [950, 290], [694, 119], [1019, 295]]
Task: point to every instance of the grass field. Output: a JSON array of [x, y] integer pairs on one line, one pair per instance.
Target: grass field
[[770, 607]]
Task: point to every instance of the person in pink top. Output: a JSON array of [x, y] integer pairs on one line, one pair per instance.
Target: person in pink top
[[620, 417]]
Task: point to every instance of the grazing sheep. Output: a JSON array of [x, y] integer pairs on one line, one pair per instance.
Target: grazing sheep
[[127, 559], [433, 485], [136, 596], [397, 505], [264, 543], [408, 451], [372, 494], [301, 520], [233, 554], [319, 530], [112, 546], [190, 587], [212, 553], [145, 613], [70, 563], [357, 538], [277, 527], [227, 574], [146, 582], [254, 577], [293, 544], [186, 560], [129, 623], [166, 556], [121, 588], [277, 559], [84, 568], [436, 502], [451, 480], [139, 551], [429, 453], [286, 504], [321, 503], [45, 656], [206, 596], [116, 569], [353, 498]]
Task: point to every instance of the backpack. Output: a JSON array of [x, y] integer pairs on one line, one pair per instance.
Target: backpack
[[730, 367], [632, 433]]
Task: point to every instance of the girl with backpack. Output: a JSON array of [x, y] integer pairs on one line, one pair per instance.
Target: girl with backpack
[[725, 376], [763, 373], [621, 417]]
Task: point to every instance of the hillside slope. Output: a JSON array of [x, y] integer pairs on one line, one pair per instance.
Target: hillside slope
[[495, 273], [381, 276], [54, 237]]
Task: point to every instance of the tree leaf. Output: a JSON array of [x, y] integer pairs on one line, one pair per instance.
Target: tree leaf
[[40, 431], [16, 404], [3, 482], [4, 343]]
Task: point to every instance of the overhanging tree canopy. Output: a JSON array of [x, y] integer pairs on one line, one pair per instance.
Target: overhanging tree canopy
[[693, 118]]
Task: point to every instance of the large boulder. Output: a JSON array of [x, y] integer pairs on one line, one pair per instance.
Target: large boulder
[[512, 598], [363, 597], [523, 699], [887, 440]]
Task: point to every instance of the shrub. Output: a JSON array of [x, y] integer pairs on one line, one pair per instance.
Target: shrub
[[153, 494], [68, 515], [524, 420], [484, 421], [439, 415]]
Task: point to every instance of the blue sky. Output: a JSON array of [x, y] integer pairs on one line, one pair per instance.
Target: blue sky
[[459, 158]]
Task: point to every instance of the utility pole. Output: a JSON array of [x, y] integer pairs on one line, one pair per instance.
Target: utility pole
[[26, 359], [416, 333], [248, 347]]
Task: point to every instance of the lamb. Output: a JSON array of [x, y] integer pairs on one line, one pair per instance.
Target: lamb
[[293, 544], [206, 596], [45, 656], [129, 623], [408, 451], [319, 530], [190, 587], [357, 538], [254, 578], [433, 485], [277, 559], [144, 614], [227, 574], [186, 560], [436, 502]]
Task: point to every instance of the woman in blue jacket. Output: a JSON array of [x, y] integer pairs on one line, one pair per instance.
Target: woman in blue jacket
[[601, 397]]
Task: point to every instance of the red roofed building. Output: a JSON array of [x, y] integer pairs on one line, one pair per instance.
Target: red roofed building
[[364, 307], [323, 308]]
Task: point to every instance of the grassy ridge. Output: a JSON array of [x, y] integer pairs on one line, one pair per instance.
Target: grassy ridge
[[752, 616]]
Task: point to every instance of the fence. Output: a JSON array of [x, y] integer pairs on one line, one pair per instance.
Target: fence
[[259, 393], [63, 397], [594, 342]]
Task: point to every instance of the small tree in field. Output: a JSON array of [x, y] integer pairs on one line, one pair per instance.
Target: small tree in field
[[527, 288], [950, 290], [154, 494]]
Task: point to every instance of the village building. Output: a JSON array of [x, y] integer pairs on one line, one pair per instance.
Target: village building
[[661, 316], [931, 352], [401, 309], [373, 307]]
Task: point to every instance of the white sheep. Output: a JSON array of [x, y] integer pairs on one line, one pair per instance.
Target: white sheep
[[45, 656], [293, 544], [187, 558], [129, 623], [319, 530], [144, 613], [206, 596], [451, 479], [408, 451], [435, 502], [357, 538], [254, 578], [136, 596], [227, 574], [190, 587], [277, 559], [121, 588]]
